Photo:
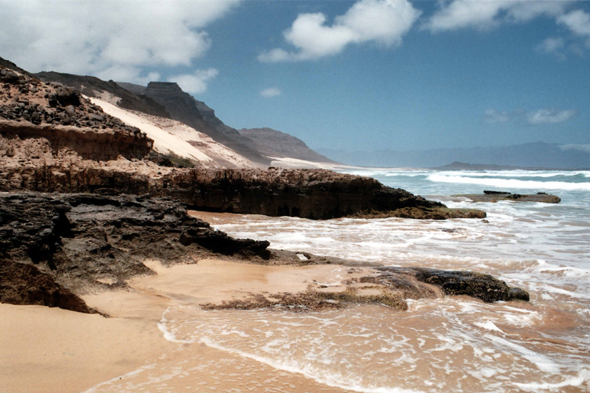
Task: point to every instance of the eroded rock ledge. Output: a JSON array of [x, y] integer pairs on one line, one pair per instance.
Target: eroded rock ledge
[[54, 246]]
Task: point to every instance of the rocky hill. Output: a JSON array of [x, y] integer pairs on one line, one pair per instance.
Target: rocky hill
[[274, 143], [266, 141], [184, 108], [109, 91]]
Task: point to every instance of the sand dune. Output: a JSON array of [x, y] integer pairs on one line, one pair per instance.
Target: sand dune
[[173, 137]]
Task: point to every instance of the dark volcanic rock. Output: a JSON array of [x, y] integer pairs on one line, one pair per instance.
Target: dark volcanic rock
[[495, 196], [84, 239], [314, 194], [478, 285], [25, 284]]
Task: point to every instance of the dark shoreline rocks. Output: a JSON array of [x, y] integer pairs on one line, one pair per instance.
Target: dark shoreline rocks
[[54, 246], [76, 242], [495, 196]]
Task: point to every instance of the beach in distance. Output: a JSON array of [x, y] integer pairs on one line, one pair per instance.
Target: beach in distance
[[159, 339]]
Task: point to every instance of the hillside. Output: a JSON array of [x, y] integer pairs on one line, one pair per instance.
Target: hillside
[[277, 144]]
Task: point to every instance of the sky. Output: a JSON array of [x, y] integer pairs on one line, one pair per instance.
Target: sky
[[360, 75]]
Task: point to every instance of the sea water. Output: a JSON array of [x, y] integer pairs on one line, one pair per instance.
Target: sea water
[[453, 344]]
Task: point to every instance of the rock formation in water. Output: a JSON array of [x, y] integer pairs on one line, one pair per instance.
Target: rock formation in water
[[495, 196], [55, 245]]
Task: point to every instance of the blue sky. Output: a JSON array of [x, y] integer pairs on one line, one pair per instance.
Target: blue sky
[[351, 75]]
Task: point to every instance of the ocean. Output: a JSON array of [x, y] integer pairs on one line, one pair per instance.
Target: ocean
[[452, 344]]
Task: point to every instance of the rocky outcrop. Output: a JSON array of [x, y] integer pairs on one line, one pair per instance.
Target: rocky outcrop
[[314, 194], [272, 143], [25, 285], [94, 87], [31, 109], [54, 140], [79, 241], [477, 285], [495, 196], [388, 286]]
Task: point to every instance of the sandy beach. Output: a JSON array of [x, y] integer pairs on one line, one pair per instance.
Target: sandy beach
[[53, 350]]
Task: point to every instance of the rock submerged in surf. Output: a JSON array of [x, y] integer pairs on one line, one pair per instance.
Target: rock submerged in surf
[[495, 196]]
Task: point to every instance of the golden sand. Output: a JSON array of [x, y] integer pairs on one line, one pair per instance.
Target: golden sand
[[53, 350]]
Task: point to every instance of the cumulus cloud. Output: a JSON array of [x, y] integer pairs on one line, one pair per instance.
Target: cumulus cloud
[[110, 38], [271, 92], [578, 22], [534, 118], [484, 15], [384, 22], [196, 82], [545, 116]]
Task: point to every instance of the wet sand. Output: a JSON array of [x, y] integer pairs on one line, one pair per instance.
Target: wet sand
[[52, 350]]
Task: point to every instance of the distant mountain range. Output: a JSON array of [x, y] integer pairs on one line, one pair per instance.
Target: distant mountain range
[[168, 100], [529, 155]]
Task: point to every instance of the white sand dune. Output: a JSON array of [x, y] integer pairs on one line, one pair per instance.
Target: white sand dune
[[171, 136]]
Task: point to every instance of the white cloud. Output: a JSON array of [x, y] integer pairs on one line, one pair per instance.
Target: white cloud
[[583, 148], [381, 21], [494, 116], [577, 21], [271, 92], [545, 116], [553, 46], [107, 37], [195, 83], [484, 15]]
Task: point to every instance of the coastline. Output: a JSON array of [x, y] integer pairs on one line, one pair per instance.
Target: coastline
[[128, 347]]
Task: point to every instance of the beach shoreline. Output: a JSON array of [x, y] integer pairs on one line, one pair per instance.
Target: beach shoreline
[[52, 344]]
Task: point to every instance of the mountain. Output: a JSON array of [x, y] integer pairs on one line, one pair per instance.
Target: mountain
[[185, 108], [108, 91], [274, 143], [529, 155], [167, 100]]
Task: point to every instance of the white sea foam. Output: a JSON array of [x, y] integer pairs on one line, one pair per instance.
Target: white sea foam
[[582, 379], [509, 183], [329, 379]]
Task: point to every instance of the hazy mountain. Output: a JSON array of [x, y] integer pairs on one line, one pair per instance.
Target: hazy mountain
[[537, 155], [274, 143]]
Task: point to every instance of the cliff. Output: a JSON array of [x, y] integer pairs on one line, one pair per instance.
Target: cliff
[[31, 110], [54, 140], [183, 107], [97, 88], [52, 245]]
